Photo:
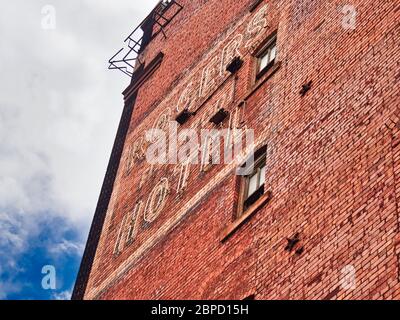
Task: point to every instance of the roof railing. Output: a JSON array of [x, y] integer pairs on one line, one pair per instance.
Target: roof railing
[[127, 59]]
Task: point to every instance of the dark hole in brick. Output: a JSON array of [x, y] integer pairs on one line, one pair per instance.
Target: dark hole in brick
[[332, 294], [219, 116], [305, 88], [316, 279], [255, 4], [300, 251], [183, 117], [242, 103], [319, 25], [235, 65], [292, 242]]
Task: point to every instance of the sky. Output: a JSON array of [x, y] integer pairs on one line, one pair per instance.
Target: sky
[[59, 112]]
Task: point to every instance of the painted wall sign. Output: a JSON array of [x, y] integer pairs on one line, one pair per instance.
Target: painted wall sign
[[207, 88]]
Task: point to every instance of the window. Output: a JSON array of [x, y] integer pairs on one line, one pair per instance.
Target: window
[[266, 57], [252, 196], [252, 187]]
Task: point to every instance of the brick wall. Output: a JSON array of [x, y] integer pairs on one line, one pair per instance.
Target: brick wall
[[332, 162]]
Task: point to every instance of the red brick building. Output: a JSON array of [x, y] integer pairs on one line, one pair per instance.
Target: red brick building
[[318, 216]]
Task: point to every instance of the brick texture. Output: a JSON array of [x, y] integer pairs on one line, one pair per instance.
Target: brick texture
[[333, 159]]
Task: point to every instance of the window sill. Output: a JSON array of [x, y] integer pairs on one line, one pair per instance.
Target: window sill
[[233, 227]]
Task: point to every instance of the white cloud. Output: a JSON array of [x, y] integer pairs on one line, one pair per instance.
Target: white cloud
[[66, 247], [64, 295]]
